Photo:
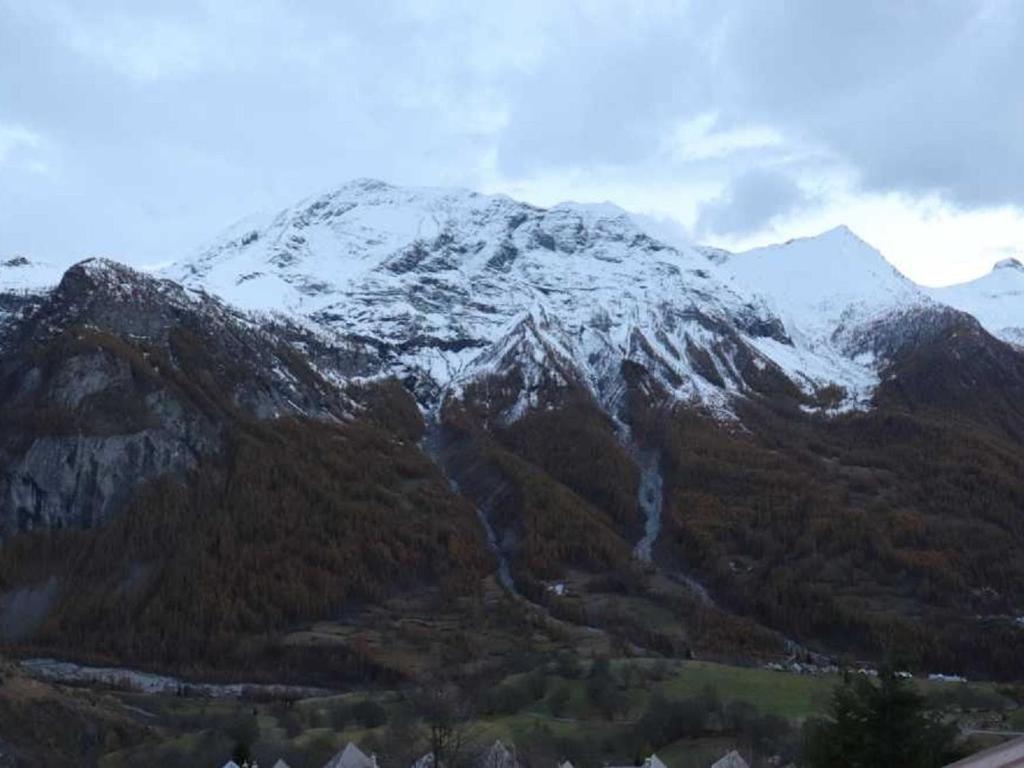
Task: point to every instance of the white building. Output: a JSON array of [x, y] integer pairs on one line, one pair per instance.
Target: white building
[[352, 757], [731, 760], [498, 756]]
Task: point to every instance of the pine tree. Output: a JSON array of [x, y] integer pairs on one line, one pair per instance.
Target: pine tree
[[877, 725]]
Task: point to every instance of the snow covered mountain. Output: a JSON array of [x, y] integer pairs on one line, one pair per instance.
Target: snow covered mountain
[[825, 286], [834, 294], [996, 300], [535, 434], [443, 287]]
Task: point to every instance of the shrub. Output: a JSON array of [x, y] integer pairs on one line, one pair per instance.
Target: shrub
[[369, 713]]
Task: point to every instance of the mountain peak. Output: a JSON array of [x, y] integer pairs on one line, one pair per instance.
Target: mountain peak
[[994, 299], [1010, 263], [842, 234], [378, 191], [107, 285], [98, 270], [605, 210], [366, 183], [838, 251], [840, 231], [821, 284], [837, 237]]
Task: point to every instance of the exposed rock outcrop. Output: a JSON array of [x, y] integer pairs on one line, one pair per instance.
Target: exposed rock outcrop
[[116, 378]]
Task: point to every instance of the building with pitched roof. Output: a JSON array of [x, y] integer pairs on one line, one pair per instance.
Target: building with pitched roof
[[352, 757]]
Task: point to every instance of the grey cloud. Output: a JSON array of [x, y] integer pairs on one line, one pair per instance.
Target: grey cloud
[[917, 97], [163, 122], [154, 164], [751, 201], [920, 97], [605, 95]]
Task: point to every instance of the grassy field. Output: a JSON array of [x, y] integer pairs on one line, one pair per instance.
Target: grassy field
[[189, 732], [778, 693]]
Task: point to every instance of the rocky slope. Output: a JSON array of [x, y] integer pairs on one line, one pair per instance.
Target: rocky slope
[[204, 482], [104, 387]]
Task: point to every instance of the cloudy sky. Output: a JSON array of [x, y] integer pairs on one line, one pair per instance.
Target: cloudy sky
[[139, 130]]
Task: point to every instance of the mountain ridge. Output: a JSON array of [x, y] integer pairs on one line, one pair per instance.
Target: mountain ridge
[[996, 299], [433, 260], [385, 392]]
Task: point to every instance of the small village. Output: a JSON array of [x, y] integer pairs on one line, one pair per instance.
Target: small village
[[498, 755]]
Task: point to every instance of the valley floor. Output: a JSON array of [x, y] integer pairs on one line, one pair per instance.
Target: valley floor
[[553, 711]]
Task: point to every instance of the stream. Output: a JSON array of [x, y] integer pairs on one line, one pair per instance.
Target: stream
[[55, 671], [431, 445], [650, 499]]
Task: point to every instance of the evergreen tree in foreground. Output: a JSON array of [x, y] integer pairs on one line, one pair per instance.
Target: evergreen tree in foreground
[[877, 725]]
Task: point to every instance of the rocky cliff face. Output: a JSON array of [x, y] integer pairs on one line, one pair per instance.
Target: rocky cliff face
[[115, 378]]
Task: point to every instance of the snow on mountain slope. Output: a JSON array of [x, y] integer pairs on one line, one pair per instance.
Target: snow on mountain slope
[[996, 300], [19, 275], [823, 284], [22, 282], [440, 287], [828, 290]]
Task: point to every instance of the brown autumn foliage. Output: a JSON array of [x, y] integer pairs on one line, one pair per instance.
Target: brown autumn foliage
[[884, 532], [576, 444], [560, 511], [298, 521]]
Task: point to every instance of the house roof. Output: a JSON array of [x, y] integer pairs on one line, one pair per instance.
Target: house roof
[[351, 757], [731, 760], [498, 756]]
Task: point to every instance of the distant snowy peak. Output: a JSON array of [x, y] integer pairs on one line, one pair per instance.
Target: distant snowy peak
[[23, 282], [996, 300], [825, 285], [19, 274]]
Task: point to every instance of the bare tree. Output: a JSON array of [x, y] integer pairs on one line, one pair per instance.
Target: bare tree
[[446, 714]]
